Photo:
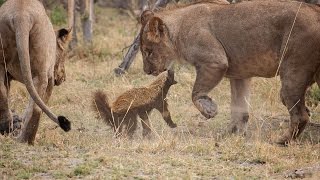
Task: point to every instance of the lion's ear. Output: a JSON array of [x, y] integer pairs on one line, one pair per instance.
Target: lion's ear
[[155, 30], [146, 16], [64, 35]]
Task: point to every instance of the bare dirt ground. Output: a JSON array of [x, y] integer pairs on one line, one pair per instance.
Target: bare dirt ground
[[197, 149]]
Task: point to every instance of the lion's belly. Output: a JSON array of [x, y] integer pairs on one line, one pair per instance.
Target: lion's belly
[[265, 65], [11, 63]]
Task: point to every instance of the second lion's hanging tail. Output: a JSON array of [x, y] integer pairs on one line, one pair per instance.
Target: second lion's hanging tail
[[22, 26]]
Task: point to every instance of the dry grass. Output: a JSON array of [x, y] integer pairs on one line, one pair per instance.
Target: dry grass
[[197, 149]]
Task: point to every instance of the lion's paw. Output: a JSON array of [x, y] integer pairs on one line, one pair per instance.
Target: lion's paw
[[239, 129], [6, 127], [207, 107]]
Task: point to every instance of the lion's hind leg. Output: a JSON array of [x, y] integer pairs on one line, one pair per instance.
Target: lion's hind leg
[[33, 112], [293, 96]]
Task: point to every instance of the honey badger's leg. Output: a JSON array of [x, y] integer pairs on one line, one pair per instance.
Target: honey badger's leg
[[118, 123], [145, 123], [132, 125], [240, 94], [5, 114], [163, 108], [293, 90], [33, 112]]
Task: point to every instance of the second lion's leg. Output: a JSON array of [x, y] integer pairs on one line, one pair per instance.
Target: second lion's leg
[[240, 97], [33, 112]]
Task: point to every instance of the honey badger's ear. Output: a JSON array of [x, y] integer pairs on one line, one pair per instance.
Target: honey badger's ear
[[146, 16], [64, 35], [171, 76], [155, 29]]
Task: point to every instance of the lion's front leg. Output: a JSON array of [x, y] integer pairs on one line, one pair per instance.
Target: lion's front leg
[[208, 76], [33, 112], [240, 98]]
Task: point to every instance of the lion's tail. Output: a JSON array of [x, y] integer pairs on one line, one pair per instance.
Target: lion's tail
[[101, 105], [22, 27]]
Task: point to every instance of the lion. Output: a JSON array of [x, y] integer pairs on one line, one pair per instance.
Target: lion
[[239, 41], [34, 55], [136, 102]]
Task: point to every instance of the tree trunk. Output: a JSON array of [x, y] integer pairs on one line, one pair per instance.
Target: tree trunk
[[144, 4], [87, 19], [161, 4], [134, 48], [70, 13], [72, 22], [85, 7]]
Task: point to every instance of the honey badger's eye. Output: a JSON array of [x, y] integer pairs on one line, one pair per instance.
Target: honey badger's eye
[[148, 52]]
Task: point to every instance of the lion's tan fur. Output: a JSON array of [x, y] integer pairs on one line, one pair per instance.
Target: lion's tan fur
[[183, 5], [239, 41], [136, 102], [32, 54]]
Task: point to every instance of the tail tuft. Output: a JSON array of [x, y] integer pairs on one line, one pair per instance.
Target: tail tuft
[[64, 123]]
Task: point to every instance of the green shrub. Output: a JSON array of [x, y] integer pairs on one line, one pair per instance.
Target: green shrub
[[58, 16], [2, 1], [313, 96]]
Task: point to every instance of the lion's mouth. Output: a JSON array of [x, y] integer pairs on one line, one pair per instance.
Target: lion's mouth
[[155, 73], [58, 82]]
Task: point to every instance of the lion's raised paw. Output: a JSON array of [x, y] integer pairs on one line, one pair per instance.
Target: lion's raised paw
[[207, 107]]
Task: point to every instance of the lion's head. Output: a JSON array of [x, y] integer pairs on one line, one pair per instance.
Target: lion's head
[[63, 39], [155, 44]]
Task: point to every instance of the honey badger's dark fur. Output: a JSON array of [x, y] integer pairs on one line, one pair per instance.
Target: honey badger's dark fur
[[136, 102]]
